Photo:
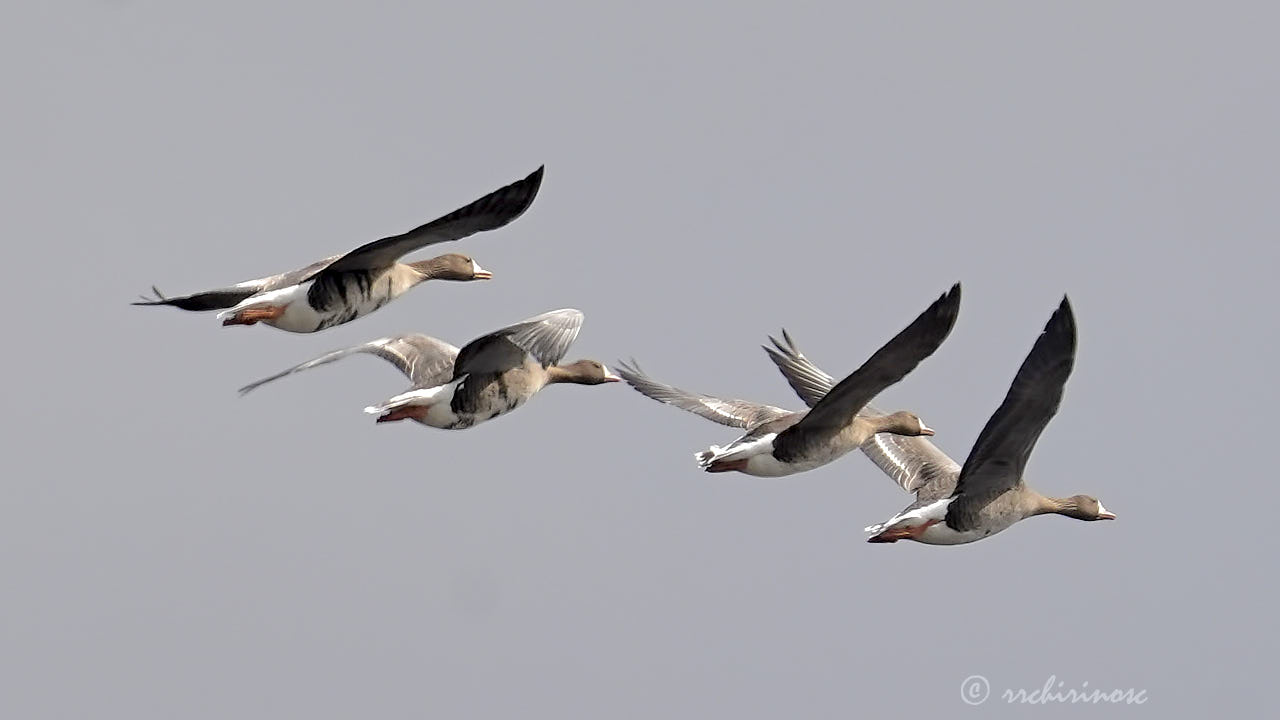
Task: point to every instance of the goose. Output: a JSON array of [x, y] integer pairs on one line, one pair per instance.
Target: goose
[[778, 442], [454, 389], [955, 504], [341, 288]]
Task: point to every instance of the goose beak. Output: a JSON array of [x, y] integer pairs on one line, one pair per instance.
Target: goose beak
[[480, 273], [1105, 514], [610, 377], [925, 430]]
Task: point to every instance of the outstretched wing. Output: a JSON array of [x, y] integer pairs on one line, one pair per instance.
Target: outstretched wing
[[887, 366], [219, 299], [488, 213], [546, 337], [222, 298], [809, 381], [914, 463], [999, 456], [734, 413], [425, 360]]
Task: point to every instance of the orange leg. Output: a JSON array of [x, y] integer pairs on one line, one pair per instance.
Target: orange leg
[[727, 466], [249, 316], [888, 536], [902, 533], [408, 412]]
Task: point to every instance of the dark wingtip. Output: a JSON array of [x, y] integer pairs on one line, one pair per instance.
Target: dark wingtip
[[1063, 313], [626, 368], [535, 179], [160, 299], [1057, 340], [947, 306], [1063, 320], [950, 304], [953, 295], [516, 197], [786, 346], [779, 357]]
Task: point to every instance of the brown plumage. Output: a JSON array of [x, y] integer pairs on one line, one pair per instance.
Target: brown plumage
[[489, 376], [341, 288], [955, 504], [778, 442]]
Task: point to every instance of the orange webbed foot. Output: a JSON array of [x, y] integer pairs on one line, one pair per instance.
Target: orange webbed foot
[[249, 316], [408, 412], [720, 466], [911, 532]]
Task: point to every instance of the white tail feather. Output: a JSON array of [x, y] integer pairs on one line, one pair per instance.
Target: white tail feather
[[280, 296], [708, 456], [426, 396], [936, 510]]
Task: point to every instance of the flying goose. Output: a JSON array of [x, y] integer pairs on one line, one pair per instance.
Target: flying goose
[[778, 442], [494, 374], [341, 288], [957, 504]]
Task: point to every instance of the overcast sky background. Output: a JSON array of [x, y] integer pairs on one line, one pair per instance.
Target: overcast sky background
[[715, 171]]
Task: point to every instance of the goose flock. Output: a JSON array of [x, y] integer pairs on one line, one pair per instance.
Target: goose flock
[[456, 388]]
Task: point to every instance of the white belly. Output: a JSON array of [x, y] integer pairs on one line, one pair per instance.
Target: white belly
[[455, 421], [298, 314], [438, 402], [300, 317], [938, 533], [440, 415], [760, 460], [766, 465], [941, 534]]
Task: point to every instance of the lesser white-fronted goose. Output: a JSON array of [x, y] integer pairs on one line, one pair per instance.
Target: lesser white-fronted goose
[[494, 374], [779, 442], [341, 288], [955, 504]]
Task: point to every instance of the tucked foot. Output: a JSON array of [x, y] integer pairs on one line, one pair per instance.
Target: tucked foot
[[889, 536], [407, 412], [718, 466], [249, 316], [902, 532]]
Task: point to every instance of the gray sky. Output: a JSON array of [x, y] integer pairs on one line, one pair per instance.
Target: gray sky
[[714, 172]]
